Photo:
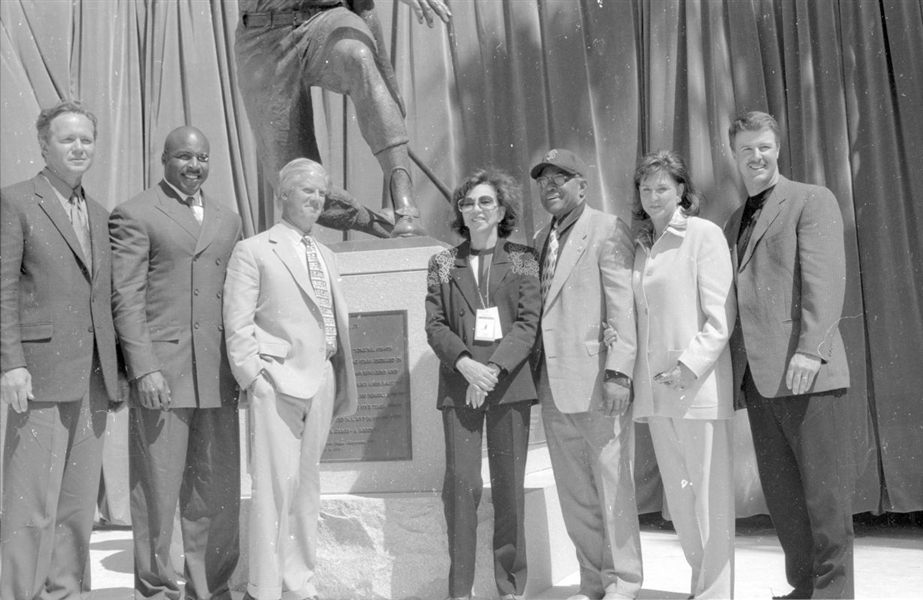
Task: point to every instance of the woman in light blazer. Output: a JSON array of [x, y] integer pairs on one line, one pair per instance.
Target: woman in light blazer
[[683, 289], [482, 310]]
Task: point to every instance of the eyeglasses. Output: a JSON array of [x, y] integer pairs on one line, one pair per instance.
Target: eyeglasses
[[558, 179], [485, 203]]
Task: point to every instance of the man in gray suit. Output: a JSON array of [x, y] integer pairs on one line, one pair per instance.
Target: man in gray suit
[[171, 246], [57, 362], [790, 366], [582, 384]]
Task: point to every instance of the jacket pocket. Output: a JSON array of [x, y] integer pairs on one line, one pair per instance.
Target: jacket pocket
[[275, 349], [594, 347], [33, 332]]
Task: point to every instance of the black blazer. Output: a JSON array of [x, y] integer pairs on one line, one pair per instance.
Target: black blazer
[[452, 302]]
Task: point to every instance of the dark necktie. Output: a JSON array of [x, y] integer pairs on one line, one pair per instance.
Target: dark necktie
[[78, 216], [322, 292]]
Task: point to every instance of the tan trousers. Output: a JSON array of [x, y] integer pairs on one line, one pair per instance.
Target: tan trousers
[[591, 455], [696, 466], [287, 440]]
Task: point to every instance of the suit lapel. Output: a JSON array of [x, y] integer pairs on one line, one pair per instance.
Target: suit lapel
[[569, 254], [48, 202], [771, 210], [464, 277], [99, 233], [175, 208], [499, 268], [211, 223], [286, 253]]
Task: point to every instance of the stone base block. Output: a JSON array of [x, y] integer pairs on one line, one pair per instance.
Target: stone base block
[[393, 546]]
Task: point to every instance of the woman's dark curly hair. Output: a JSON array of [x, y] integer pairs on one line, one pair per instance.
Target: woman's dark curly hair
[[509, 196], [671, 163]]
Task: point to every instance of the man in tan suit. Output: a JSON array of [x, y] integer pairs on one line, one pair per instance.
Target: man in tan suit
[[583, 386], [288, 341], [170, 247], [57, 361], [790, 365]]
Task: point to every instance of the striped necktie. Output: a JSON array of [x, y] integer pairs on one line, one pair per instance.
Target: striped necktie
[[551, 260], [322, 292], [78, 217]]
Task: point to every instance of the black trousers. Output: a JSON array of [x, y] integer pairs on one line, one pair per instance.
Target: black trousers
[[807, 470], [507, 446]]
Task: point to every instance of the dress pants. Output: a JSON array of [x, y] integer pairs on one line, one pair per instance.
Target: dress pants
[[591, 455], [52, 461], [696, 467], [287, 439], [189, 456], [507, 447], [808, 472]]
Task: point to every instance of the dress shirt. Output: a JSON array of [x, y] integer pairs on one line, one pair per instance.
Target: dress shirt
[[749, 218], [197, 202]]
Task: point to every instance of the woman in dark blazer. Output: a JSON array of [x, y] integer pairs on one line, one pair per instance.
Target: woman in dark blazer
[[482, 309]]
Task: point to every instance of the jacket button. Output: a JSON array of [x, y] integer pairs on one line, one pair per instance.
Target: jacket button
[[218, 295], [220, 327], [196, 326], [217, 261], [195, 292], [90, 329]]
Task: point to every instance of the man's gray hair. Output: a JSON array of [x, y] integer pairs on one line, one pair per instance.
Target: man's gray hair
[[295, 168]]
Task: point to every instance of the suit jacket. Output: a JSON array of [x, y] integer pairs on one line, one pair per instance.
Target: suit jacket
[[591, 285], [452, 302], [274, 321], [53, 311], [168, 279], [684, 297], [791, 282]]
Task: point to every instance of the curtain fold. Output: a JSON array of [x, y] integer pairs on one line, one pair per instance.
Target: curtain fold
[[510, 79]]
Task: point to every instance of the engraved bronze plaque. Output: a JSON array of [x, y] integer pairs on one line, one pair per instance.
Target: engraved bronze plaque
[[379, 430]]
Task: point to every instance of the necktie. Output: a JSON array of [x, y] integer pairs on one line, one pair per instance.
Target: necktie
[[196, 205], [322, 292], [78, 217], [551, 260]]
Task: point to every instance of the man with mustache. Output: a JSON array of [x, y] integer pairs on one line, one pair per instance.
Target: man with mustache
[[57, 361], [790, 366], [171, 245], [584, 385]]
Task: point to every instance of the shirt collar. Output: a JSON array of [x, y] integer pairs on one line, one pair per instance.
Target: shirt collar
[[677, 226], [60, 185], [757, 202], [569, 219], [182, 196], [292, 232]]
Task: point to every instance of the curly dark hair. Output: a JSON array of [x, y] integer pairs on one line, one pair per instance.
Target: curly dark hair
[[509, 196], [43, 123], [671, 163]]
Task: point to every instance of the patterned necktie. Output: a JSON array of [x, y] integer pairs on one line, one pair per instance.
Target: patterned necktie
[[322, 292], [78, 217], [196, 205], [551, 260]]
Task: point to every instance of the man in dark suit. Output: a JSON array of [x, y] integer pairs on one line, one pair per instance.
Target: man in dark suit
[[57, 359], [582, 384], [789, 362], [170, 250]]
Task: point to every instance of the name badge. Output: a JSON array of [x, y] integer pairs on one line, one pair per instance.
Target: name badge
[[487, 325]]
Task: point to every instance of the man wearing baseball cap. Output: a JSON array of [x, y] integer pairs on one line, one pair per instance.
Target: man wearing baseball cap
[[583, 386]]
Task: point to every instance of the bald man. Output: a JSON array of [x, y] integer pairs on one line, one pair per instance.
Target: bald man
[[170, 247]]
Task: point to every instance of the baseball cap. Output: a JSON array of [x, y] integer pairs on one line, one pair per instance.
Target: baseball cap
[[563, 159]]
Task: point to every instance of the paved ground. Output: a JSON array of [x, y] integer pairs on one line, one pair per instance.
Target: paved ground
[[889, 563]]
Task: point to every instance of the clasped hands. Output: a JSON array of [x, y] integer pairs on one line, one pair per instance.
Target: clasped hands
[[481, 379]]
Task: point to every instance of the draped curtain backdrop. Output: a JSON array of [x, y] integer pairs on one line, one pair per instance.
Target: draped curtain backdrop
[[509, 79]]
